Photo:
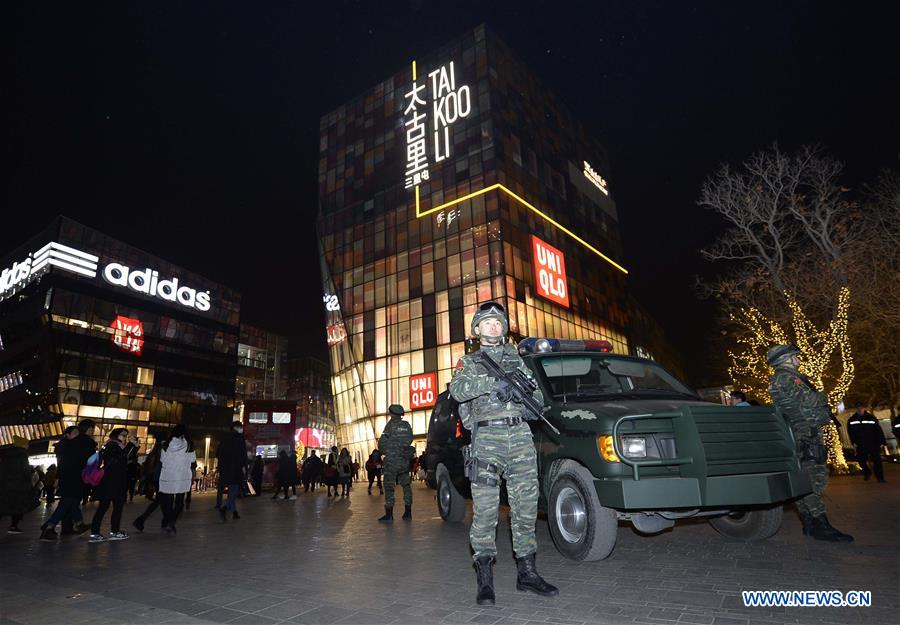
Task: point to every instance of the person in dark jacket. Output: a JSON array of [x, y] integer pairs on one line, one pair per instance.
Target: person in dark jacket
[[113, 488], [19, 493], [50, 478], [867, 437], [287, 473], [153, 466], [256, 474], [232, 458], [72, 453], [312, 469]]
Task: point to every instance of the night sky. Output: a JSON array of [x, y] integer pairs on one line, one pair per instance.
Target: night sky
[[191, 129]]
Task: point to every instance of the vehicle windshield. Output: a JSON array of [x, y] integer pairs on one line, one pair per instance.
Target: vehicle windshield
[[599, 375]]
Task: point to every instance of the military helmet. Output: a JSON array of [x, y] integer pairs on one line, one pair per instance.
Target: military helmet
[[780, 353], [396, 409], [490, 310]]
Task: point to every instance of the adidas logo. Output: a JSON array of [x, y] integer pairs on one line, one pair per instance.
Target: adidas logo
[[51, 255]]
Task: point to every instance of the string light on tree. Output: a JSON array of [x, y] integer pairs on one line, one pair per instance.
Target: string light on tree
[[825, 354]]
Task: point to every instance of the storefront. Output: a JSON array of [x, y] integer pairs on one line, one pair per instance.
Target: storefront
[[91, 327], [456, 181]]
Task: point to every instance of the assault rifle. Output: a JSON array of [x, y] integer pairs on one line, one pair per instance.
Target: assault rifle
[[522, 389]]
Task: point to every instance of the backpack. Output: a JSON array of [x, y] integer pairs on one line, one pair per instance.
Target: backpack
[[92, 473]]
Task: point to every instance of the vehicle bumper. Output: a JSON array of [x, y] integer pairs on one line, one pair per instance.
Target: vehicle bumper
[[666, 493]]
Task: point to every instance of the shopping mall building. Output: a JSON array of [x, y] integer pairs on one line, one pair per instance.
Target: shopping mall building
[[457, 180], [92, 327]]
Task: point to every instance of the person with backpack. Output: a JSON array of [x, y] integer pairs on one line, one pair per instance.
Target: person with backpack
[[175, 475], [151, 470], [112, 487]]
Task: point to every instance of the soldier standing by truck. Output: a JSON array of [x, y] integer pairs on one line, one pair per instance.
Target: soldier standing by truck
[[394, 444], [502, 447], [807, 410]]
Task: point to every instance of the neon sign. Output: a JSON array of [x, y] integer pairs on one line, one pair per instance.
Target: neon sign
[[128, 334], [596, 179], [549, 272], [449, 104]]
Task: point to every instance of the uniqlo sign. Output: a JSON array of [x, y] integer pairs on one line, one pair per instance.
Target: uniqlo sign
[[549, 272], [422, 393], [128, 334]]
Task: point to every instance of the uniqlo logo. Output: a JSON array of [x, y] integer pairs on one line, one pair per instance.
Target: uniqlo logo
[[422, 390], [128, 334], [549, 272]]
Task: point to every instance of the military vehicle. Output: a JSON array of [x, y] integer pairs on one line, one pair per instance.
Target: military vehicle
[[635, 445]]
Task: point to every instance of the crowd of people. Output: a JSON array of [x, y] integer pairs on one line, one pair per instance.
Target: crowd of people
[[112, 474]]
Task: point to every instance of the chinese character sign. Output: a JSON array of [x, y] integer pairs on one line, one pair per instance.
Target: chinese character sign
[[549, 272], [422, 393], [436, 102], [128, 334]]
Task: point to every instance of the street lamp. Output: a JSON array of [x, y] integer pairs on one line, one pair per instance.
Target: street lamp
[[206, 455]]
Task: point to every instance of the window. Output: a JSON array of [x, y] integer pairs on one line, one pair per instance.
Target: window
[[258, 417], [145, 376], [281, 417]]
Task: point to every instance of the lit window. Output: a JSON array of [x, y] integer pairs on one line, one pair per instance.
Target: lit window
[[280, 417], [258, 417], [145, 376]]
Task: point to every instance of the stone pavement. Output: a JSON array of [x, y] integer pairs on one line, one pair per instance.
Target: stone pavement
[[316, 560]]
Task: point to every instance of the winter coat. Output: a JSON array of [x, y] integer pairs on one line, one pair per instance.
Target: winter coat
[[176, 474], [232, 457], [344, 466], [71, 456], [115, 473], [287, 470], [18, 494], [865, 431]]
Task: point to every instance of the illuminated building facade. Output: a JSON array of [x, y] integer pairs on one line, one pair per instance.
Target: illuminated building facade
[[92, 327], [457, 180], [262, 366]]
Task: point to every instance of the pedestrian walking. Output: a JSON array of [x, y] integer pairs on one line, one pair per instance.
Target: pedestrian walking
[[806, 410], [502, 447], [20, 487], [395, 443], [867, 438], [72, 453], [151, 471], [374, 468], [175, 475], [312, 469], [113, 488], [330, 472], [232, 460], [287, 473], [256, 474], [345, 472], [50, 484], [133, 468]]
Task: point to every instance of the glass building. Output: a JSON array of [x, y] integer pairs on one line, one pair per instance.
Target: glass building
[[92, 327], [457, 180], [262, 367]]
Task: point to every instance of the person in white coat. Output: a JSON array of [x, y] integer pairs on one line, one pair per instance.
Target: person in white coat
[[176, 474]]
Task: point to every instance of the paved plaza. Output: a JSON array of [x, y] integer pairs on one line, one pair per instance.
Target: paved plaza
[[320, 560]]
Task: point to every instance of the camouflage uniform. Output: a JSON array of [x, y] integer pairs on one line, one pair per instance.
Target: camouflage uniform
[[509, 448], [394, 443], [806, 409]]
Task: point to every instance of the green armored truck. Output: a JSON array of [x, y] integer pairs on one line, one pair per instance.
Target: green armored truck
[[634, 444]]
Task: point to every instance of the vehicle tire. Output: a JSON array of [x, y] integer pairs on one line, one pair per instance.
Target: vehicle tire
[[749, 525], [451, 505], [581, 528]]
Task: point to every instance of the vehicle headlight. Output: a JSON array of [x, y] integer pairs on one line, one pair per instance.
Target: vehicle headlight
[[606, 448], [634, 446]]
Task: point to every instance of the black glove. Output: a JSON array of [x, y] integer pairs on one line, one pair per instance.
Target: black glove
[[503, 391]]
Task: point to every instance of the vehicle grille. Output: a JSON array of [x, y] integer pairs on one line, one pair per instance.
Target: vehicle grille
[[737, 443]]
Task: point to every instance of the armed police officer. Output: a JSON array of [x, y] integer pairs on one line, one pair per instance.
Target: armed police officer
[[395, 444], [502, 448], [806, 410]]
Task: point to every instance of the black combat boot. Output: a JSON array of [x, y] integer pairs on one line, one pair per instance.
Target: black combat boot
[[484, 572], [388, 515], [840, 536], [407, 513], [819, 529], [528, 578]]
